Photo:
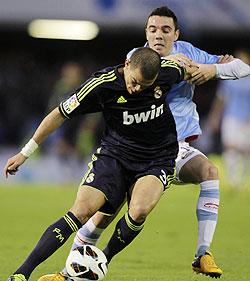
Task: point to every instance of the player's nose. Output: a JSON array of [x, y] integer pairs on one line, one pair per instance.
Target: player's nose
[[158, 34]]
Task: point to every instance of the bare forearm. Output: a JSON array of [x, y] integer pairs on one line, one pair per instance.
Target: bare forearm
[[49, 124]]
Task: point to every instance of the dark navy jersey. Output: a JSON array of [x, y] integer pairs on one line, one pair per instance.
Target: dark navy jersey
[[139, 126]]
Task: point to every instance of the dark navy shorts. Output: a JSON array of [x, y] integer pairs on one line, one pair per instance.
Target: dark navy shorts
[[114, 177]]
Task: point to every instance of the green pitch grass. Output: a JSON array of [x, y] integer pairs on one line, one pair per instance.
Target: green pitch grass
[[163, 251]]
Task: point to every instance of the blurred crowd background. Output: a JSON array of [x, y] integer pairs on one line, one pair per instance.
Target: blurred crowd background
[[36, 74]]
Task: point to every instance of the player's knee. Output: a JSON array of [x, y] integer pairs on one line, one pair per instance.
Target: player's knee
[[210, 172], [82, 214], [139, 213]]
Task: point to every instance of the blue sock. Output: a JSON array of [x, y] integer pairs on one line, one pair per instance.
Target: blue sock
[[207, 214]]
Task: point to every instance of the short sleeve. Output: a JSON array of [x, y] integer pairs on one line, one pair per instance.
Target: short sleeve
[[86, 99]]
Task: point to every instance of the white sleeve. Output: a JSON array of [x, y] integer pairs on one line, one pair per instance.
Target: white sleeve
[[232, 70]]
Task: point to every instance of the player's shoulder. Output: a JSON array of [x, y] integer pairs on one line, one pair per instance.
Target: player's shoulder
[[171, 72], [105, 76], [101, 80], [193, 52], [105, 72], [184, 44], [108, 78], [165, 63], [184, 47]]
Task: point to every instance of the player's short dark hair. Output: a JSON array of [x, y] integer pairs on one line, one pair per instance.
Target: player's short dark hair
[[147, 60], [164, 11]]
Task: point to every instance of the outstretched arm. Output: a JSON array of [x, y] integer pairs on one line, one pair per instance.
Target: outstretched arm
[[49, 124], [227, 68], [235, 69]]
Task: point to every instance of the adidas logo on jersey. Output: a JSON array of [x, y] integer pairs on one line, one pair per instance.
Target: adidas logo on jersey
[[121, 100], [129, 119]]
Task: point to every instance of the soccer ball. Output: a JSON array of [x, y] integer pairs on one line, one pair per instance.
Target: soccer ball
[[86, 263]]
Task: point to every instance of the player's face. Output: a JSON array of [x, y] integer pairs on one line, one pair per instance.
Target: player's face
[[161, 34], [134, 80]]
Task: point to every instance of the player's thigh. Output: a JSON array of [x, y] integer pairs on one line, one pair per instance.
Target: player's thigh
[[185, 155], [88, 201], [108, 175], [146, 193]]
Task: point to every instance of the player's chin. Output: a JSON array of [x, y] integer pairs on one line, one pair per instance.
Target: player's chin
[[161, 50]]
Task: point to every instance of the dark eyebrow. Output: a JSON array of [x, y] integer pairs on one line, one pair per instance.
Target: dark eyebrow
[[164, 26]]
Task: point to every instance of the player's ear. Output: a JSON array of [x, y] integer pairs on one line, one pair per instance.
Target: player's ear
[[127, 62], [146, 33], [177, 34]]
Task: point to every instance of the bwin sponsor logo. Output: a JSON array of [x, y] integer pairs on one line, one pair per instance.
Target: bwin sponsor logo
[[129, 119]]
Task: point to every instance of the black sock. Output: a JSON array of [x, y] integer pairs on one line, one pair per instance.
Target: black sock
[[52, 239], [125, 232]]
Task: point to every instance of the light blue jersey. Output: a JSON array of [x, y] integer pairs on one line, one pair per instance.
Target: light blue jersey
[[180, 97], [236, 96]]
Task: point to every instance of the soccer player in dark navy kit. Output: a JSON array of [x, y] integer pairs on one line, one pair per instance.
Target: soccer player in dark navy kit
[[137, 152]]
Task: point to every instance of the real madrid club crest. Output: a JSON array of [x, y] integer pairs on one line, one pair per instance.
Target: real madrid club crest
[[157, 92]]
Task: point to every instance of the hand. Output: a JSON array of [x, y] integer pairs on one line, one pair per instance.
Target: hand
[[226, 58], [13, 164], [180, 59], [189, 65], [202, 74]]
